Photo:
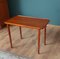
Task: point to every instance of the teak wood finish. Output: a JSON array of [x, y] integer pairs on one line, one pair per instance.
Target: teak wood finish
[[4, 12], [30, 22]]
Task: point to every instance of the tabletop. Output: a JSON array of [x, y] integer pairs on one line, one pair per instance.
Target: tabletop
[[27, 21]]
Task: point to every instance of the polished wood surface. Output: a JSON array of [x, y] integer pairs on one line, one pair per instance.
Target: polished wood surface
[[45, 36], [4, 12], [20, 32], [38, 41], [38, 23], [8, 26]]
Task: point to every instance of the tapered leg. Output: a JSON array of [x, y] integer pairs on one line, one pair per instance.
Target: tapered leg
[[45, 36], [20, 32], [38, 41], [8, 26]]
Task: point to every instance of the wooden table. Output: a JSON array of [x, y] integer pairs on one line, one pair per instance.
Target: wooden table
[[30, 22]]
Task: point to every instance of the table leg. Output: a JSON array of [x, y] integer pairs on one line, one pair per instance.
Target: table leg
[[8, 26], [45, 36], [38, 41], [20, 32]]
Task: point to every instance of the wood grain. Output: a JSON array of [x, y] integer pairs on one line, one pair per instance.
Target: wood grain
[[30, 22]]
